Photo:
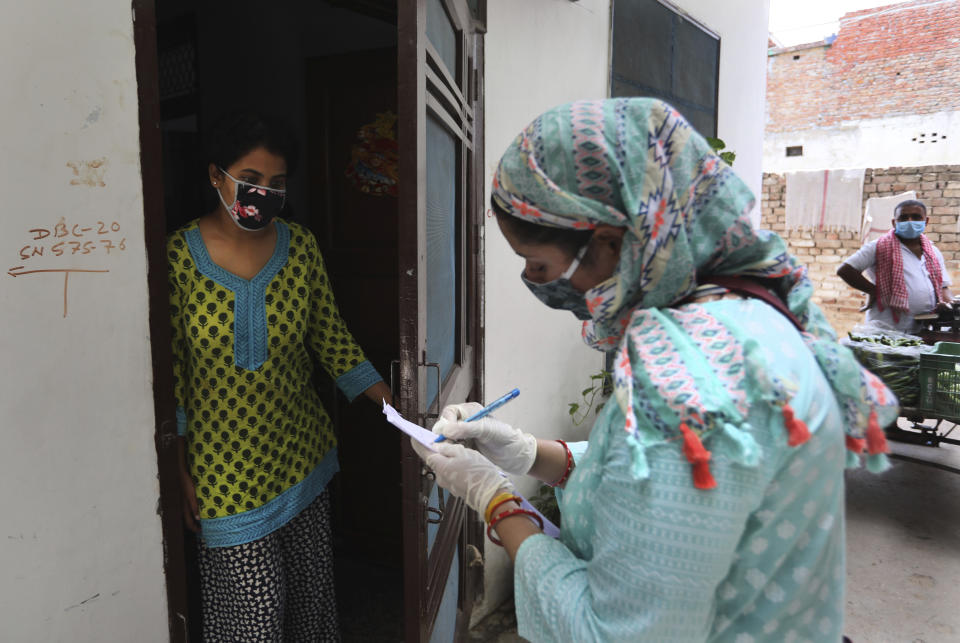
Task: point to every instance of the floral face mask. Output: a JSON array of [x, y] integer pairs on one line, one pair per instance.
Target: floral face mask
[[560, 293], [255, 206]]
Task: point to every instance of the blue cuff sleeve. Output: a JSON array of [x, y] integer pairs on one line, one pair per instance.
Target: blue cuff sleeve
[[358, 379], [181, 421], [577, 449]]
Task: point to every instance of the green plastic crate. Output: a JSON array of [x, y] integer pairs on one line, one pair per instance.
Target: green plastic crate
[[940, 380]]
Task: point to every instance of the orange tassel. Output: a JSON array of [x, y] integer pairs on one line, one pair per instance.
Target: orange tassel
[[699, 457], [876, 440], [856, 445], [797, 431]]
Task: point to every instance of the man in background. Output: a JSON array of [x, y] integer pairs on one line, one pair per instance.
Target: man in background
[[908, 274]]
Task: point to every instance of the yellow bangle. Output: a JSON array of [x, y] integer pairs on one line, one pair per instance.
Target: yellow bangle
[[498, 500]]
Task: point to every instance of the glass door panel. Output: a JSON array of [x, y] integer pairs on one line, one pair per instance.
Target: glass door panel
[[442, 35], [442, 256]]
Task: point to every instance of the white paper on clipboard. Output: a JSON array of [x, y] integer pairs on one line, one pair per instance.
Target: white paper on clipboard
[[427, 439]]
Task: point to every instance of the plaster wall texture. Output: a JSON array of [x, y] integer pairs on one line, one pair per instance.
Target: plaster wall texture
[[82, 555], [894, 141]]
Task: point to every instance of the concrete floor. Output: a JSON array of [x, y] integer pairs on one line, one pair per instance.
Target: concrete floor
[[500, 626], [903, 548], [903, 552]]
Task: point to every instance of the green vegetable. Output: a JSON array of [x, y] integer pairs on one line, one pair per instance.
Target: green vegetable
[[885, 340], [895, 360]]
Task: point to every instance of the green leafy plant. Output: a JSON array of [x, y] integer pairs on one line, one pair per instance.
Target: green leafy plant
[[592, 397], [600, 385], [719, 146], [546, 503]]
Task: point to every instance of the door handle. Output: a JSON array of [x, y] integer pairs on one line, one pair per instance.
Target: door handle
[[438, 510], [393, 388], [441, 503], [429, 415]]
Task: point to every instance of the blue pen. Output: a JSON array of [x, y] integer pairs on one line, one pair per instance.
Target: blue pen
[[488, 409]]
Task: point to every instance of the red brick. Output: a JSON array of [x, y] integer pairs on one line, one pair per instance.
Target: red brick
[[863, 73]]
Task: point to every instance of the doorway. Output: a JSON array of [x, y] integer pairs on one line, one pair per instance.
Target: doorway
[[331, 70]]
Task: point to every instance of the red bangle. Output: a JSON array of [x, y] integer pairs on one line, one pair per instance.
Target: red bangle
[[492, 509], [566, 472], [507, 514]]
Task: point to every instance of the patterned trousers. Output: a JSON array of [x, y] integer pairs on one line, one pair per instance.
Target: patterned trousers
[[276, 589]]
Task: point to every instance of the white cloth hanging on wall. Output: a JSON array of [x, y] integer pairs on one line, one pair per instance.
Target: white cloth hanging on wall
[[824, 199], [879, 212]]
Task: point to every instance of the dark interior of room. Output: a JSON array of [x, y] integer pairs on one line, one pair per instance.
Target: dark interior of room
[[329, 68]]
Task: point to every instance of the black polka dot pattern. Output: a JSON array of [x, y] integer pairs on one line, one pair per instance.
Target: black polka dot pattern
[[254, 433]]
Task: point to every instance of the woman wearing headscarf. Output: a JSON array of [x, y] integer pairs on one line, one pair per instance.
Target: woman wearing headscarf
[[708, 503]]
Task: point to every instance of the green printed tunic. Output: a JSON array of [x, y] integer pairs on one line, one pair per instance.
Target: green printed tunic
[[260, 446]]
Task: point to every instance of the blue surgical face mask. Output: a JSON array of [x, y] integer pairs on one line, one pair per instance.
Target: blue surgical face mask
[[560, 293], [910, 229]]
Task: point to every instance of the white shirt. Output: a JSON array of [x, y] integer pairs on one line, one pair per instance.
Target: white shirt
[[920, 293]]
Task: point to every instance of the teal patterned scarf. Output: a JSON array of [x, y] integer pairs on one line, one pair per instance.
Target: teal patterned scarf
[[636, 163]]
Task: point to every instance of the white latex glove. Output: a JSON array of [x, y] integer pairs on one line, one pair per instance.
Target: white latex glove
[[510, 449], [465, 473]]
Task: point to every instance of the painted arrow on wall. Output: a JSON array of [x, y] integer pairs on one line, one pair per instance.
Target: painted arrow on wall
[[18, 271]]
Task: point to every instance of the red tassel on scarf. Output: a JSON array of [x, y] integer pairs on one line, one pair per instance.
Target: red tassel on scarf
[[856, 445], [699, 457], [876, 440], [797, 431]]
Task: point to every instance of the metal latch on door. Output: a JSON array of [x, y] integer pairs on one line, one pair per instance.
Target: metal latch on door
[[434, 514]]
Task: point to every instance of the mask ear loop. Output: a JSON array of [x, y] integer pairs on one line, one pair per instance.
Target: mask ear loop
[[236, 191], [236, 195], [576, 262]]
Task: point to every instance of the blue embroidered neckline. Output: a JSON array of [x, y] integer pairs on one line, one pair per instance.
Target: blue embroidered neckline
[[250, 306]]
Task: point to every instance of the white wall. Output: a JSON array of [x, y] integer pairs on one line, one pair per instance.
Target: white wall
[[879, 142], [742, 27], [539, 53], [80, 541]]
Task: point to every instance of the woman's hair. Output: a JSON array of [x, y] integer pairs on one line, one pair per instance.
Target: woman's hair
[[237, 133], [567, 239]]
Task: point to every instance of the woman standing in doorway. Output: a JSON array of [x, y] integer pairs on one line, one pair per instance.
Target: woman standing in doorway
[[708, 503], [251, 308]]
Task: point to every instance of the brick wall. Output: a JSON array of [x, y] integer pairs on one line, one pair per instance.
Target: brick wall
[[938, 186], [889, 61], [798, 88]]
